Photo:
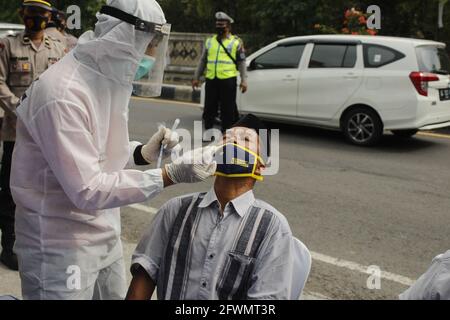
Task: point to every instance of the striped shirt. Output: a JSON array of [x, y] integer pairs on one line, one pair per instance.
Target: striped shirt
[[193, 252], [434, 284]]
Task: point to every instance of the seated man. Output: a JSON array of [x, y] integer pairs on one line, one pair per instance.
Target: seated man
[[223, 244]]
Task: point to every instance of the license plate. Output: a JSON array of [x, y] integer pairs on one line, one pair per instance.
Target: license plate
[[444, 94]]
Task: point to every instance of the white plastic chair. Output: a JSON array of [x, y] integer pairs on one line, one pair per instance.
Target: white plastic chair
[[302, 267]]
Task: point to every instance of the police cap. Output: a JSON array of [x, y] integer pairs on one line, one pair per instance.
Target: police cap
[[223, 16], [45, 4]]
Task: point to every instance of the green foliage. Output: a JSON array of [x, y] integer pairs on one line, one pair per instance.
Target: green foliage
[[262, 21], [88, 10], [9, 11]]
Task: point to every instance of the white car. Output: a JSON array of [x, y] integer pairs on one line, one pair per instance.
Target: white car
[[10, 29], [362, 85]]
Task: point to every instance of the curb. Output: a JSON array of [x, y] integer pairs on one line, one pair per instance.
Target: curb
[[180, 93]]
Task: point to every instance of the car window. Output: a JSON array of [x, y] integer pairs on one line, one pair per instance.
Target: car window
[[333, 56], [280, 57], [376, 56], [433, 59]]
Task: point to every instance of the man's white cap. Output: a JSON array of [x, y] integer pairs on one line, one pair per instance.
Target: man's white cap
[[223, 16]]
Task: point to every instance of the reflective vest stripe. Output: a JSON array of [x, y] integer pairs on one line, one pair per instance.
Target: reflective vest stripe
[[221, 61], [239, 265], [177, 255], [231, 45], [208, 43]]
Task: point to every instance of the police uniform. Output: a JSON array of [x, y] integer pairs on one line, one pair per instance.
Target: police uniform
[[21, 62], [68, 40], [54, 33], [221, 69]]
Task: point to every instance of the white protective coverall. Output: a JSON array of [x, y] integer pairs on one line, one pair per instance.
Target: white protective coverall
[[68, 175]]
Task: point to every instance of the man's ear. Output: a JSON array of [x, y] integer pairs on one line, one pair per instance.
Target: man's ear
[[260, 167], [20, 11]]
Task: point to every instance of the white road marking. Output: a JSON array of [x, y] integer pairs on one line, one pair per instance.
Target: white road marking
[[313, 296], [350, 265], [360, 268]]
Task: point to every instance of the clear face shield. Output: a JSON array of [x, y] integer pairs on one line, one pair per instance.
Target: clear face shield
[[149, 76]]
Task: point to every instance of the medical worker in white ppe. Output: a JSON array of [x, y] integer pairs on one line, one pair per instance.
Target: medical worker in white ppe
[[68, 176]]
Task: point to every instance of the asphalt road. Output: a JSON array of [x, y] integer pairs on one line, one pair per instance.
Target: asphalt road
[[353, 207]]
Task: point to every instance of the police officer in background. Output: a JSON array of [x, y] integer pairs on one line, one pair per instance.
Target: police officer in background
[[23, 57], [223, 59], [57, 29]]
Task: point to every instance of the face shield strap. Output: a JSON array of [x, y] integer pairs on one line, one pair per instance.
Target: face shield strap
[[139, 24]]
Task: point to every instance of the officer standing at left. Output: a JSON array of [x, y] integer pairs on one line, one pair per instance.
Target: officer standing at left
[[23, 58]]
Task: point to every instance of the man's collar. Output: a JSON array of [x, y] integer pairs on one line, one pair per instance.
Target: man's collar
[[240, 204], [25, 39], [243, 202], [208, 199]]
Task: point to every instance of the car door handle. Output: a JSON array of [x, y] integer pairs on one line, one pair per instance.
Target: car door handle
[[350, 75], [289, 78]]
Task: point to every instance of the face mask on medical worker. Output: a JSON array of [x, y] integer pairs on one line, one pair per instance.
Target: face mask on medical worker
[[153, 61], [145, 67], [236, 161]]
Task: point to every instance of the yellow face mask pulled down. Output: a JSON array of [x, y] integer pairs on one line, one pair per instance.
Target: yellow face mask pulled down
[[235, 161]]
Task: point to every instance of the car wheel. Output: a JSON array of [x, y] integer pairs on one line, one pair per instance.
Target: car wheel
[[405, 133], [362, 127]]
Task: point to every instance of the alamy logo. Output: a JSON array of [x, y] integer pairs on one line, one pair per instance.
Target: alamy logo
[[74, 279], [73, 17], [374, 20], [374, 280]]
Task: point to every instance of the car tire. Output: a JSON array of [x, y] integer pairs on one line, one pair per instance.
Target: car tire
[[362, 126], [405, 133]]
